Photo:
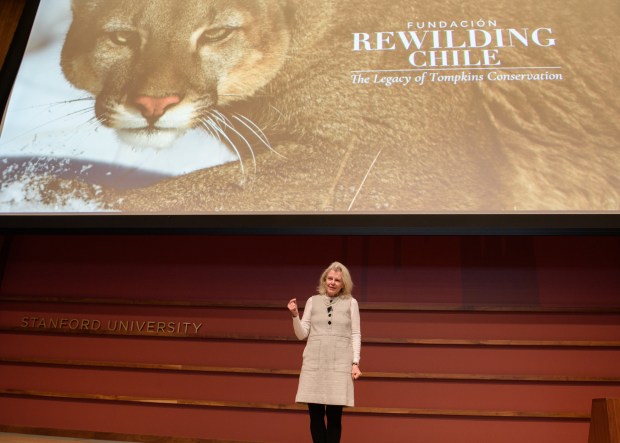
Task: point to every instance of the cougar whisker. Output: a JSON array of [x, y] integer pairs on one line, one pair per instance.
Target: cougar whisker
[[256, 131], [224, 120], [210, 122]]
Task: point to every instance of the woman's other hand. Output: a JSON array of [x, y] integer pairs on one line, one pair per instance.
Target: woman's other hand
[[355, 372]]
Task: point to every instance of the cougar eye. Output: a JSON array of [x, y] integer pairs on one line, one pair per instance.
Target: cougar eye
[[214, 35], [124, 38]]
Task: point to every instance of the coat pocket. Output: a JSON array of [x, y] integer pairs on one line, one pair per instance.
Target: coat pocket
[[311, 356], [343, 355]]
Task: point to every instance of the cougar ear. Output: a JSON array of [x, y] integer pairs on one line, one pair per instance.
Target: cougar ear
[[78, 43], [308, 20]]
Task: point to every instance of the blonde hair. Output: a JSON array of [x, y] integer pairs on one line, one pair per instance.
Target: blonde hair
[[347, 282]]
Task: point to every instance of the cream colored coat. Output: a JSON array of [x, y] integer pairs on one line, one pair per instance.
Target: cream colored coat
[[334, 343]]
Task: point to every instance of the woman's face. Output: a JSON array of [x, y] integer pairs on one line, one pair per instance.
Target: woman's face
[[333, 283]]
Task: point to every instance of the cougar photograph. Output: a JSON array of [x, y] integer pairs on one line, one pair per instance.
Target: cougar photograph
[[329, 106]]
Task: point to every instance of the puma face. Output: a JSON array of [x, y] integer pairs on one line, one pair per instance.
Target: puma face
[[157, 68]]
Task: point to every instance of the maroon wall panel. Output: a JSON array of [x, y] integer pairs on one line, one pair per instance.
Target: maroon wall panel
[[578, 271], [449, 270], [186, 268], [412, 269]]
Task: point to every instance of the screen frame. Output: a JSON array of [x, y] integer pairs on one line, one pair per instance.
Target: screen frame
[[320, 224], [523, 223]]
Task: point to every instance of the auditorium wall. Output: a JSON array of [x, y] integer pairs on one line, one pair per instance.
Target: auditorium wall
[[465, 338]]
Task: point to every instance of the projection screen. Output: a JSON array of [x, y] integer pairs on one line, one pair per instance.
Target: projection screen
[[325, 108]]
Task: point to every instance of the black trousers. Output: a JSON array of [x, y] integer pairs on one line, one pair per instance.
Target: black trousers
[[321, 431]]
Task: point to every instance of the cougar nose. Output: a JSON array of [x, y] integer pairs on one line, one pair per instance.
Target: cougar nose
[[153, 108]]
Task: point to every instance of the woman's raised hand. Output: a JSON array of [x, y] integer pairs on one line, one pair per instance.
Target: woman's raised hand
[[292, 306]]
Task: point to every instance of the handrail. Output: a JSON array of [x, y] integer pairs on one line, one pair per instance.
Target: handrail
[[366, 340], [565, 416], [295, 372]]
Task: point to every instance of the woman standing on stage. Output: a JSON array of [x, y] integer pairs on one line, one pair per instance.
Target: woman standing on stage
[[331, 323]]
